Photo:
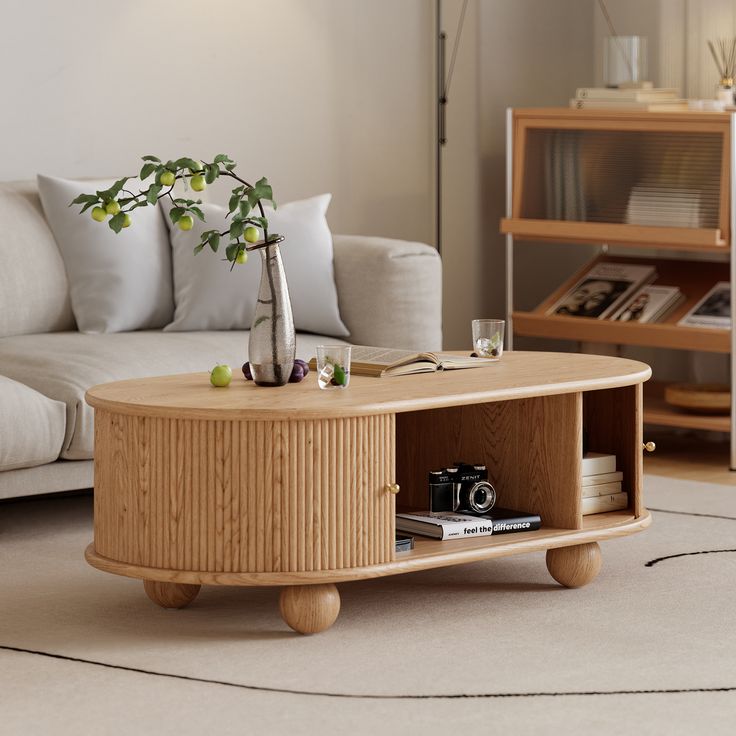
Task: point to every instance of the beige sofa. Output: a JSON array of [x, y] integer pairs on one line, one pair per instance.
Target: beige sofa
[[389, 294]]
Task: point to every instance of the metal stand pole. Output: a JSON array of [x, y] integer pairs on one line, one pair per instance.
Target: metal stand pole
[[441, 119], [509, 236], [732, 238]]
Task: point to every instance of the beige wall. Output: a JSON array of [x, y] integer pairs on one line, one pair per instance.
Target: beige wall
[[514, 53], [677, 32], [320, 95]]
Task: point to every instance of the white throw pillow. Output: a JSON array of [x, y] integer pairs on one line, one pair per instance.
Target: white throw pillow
[[208, 296], [117, 282]]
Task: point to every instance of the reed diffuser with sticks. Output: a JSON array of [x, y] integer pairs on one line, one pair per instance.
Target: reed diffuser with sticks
[[723, 51]]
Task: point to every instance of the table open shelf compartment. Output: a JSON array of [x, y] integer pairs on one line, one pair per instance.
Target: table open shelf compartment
[[533, 451], [612, 424]]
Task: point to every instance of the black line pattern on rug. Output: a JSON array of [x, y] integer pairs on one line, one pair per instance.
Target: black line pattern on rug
[[693, 513], [354, 696], [652, 563]]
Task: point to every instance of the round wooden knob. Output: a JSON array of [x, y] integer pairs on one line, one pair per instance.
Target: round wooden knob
[[649, 446], [393, 488]]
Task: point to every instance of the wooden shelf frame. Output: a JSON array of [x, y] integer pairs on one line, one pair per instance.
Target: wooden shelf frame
[[634, 236], [695, 278], [659, 413], [676, 238]]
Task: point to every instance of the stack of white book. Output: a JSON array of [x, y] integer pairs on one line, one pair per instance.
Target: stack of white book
[[648, 99], [602, 484]]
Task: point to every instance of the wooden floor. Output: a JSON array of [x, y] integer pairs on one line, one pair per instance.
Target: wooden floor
[[688, 457]]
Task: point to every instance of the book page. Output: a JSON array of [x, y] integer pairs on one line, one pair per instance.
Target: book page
[[448, 362], [385, 356]]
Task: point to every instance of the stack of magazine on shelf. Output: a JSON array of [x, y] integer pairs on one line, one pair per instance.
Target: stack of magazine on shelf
[[713, 310], [602, 484], [646, 97], [604, 290]]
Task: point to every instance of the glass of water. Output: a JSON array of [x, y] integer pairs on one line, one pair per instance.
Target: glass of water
[[488, 338], [333, 366]]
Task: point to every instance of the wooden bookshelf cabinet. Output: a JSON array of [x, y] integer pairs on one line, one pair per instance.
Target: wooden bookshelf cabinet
[[627, 181], [297, 487]]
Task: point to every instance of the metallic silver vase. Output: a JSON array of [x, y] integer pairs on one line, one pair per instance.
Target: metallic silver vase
[[272, 341]]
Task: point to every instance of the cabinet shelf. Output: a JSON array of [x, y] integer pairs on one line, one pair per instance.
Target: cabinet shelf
[[634, 236], [434, 552], [694, 278], [587, 329], [659, 181], [658, 412]]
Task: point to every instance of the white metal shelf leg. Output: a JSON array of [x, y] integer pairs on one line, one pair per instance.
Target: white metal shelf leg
[[509, 237], [509, 292], [732, 238]]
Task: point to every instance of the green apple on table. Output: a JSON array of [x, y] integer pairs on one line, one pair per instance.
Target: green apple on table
[[221, 375]]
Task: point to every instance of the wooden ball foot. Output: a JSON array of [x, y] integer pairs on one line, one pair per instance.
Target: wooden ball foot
[[170, 595], [310, 609], [575, 566]]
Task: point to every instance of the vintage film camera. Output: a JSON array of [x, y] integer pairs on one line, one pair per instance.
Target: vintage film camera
[[462, 488]]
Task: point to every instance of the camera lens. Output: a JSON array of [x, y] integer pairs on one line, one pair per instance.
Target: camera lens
[[481, 497]]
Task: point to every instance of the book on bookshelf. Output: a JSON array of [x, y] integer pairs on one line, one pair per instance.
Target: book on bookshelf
[[601, 504], [602, 489], [663, 105], [655, 205], [713, 310], [377, 362], [650, 94], [603, 290], [465, 526], [650, 304], [598, 463]]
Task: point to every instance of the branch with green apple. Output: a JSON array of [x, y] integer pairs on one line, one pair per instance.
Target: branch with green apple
[[245, 210]]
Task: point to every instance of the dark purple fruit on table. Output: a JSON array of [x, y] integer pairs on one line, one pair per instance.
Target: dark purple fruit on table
[[303, 364], [246, 372], [297, 374], [474, 355]]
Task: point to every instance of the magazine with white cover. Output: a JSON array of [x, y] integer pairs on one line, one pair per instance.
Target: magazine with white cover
[[602, 291], [713, 310], [649, 304]]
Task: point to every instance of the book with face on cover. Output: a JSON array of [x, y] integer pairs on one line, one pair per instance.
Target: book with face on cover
[[649, 304], [713, 310], [377, 362], [603, 290]]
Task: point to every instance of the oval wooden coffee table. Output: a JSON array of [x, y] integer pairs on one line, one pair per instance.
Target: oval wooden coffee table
[[296, 487]]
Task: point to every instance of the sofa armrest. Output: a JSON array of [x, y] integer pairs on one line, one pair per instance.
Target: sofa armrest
[[390, 292]]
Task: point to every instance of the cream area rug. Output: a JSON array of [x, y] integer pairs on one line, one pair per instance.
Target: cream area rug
[[494, 647]]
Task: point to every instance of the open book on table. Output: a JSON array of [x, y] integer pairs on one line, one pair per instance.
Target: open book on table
[[368, 361]]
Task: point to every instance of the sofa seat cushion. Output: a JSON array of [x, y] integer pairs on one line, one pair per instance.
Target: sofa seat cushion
[[31, 426], [63, 365]]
